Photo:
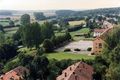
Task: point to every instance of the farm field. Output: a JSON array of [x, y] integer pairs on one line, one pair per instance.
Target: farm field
[[4, 22], [80, 32], [59, 33], [10, 31], [62, 55], [74, 23]]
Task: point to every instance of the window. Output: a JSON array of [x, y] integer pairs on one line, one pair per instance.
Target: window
[[100, 45]]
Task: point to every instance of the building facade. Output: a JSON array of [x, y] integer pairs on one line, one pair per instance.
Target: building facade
[[98, 45]]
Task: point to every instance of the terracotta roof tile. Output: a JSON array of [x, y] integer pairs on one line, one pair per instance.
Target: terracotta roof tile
[[79, 71]]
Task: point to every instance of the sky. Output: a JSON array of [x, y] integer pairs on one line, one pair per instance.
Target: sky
[[56, 4]]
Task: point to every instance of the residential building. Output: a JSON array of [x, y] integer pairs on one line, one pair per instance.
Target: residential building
[[98, 32], [98, 42], [15, 74], [107, 25], [97, 45], [77, 71]]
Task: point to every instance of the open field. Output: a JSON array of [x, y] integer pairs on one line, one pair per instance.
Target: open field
[[74, 23], [62, 55], [80, 32], [4, 23], [10, 31], [59, 33], [82, 45]]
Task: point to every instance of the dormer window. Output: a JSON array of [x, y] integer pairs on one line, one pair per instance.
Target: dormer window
[[70, 68], [73, 72], [65, 74]]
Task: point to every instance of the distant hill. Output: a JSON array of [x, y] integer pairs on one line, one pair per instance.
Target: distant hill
[[69, 13], [64, 13], [7, 13]]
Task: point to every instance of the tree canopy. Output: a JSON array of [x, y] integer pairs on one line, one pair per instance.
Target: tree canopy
[[25, 19]]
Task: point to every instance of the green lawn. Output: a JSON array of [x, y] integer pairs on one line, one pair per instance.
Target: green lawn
[[74, 23], [4, 23], [62, 55], [80, 32], [59, 33], [10, 31]]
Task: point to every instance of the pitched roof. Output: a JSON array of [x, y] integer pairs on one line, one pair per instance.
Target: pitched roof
[[15, 73], [99, 30], [80, 70]]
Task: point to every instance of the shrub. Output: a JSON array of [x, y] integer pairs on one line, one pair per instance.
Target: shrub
[[77, 49], [89, 49], [67, 50], [48, 45]]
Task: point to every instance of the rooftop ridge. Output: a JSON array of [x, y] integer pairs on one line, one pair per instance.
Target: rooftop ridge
[[76, 65], [79, 70]]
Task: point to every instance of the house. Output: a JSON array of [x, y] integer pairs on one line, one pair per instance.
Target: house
[[107, 25], [77, 71], [97, 45], [98, 32], [15, 74], [99, 41]]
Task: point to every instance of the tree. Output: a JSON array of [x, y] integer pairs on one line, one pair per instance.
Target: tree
[[25, 59], [38, 68], [1, 28], [63, 24], [111, 54], [25, 19], [31, 35], [47, 30], [112, 41], [114, 56], [7, 51], [17, 36], [68, 36], [11, 23], [2, 38], [48, 45], [113, 73], [39, 16], [40, 51]]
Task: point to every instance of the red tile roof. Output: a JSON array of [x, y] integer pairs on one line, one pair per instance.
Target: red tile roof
[[15, 74], [99, 30], [77, 71]]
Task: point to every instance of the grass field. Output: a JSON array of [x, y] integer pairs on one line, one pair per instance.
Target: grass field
[[4, 23], [73, 23], [10, 31], [59, 33], [80, 32], [62, 55]]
